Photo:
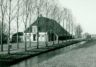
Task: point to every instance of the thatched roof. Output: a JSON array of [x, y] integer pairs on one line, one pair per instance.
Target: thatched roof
[[48, 25]]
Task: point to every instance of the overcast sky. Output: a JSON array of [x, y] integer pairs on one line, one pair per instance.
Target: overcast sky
[[84, 12]]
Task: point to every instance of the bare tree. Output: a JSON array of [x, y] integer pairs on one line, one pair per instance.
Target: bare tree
[[67, 23], [18, 15], [74, 27], [10, 16], [68, 19], [64, 16], [60, 18], [9, 26], [78, 31], [25, 18], [72, 24], [39, 4], [28, 10], [48, 8], [30, 17], [18, 7], [54, 14], [31, 9], [30, 29], [3, 8]]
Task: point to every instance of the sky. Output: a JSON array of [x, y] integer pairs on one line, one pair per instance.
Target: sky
[[84, 12]]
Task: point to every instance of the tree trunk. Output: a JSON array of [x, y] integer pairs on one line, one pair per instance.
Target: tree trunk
[[17, 25], [25, 43], [17, 36], [9, 27], [37, 40], [2, 34]]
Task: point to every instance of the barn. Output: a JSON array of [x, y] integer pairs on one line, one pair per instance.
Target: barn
[[48, 30]]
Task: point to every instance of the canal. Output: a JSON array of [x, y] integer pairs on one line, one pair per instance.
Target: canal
[[70, 56], [40, 60]]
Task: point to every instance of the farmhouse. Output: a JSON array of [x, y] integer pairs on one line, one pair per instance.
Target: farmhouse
[[48, 30]]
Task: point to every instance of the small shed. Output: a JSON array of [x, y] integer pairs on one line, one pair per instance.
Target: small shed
[[17, 36]]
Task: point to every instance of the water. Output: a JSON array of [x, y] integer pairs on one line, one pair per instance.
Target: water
[[35, 61], [72, 56], [49, 58]]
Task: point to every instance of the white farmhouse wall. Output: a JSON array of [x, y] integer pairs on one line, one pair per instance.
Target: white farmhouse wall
[[42, 37]]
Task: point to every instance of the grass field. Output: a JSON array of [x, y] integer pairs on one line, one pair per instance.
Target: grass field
[[22, 45]]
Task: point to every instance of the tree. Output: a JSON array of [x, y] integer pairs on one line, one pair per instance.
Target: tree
[[64, 17], [3, 8], [28, 8], [69, 23], [18, 15], [66, 20], [78, 31], [31, 11], [60, 18], [38, 6], [54, 14], [47, 7], [10, 16], [4, 34], [25, 14], [18, 8]]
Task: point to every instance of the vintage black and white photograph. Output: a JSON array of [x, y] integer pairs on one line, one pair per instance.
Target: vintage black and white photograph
[[47, 33]]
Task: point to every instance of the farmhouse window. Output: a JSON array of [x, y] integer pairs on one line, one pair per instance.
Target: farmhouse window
[[34, 37]]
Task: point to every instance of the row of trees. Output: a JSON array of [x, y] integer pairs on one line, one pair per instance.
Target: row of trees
[[23, 11]]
